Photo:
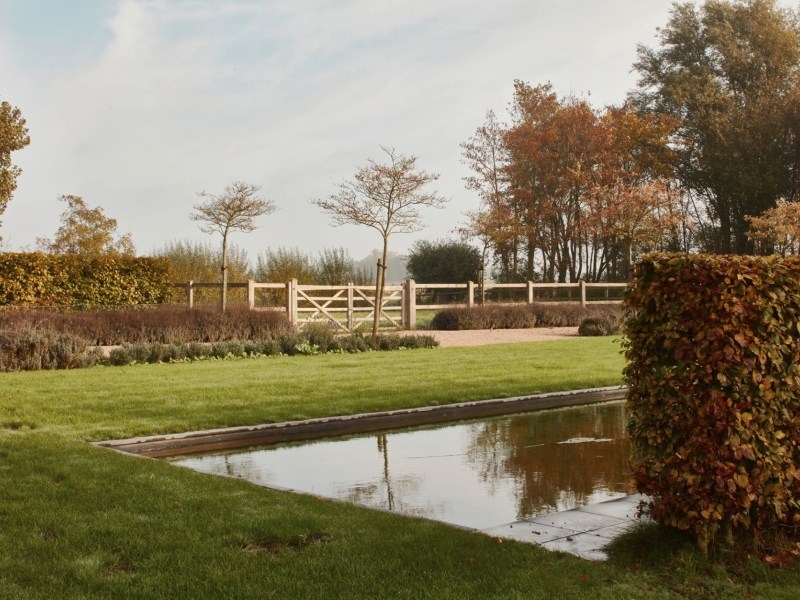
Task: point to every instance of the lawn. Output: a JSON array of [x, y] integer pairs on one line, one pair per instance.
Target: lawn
[[83, 522]]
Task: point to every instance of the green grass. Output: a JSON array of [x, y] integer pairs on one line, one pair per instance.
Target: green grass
[[116, 402], [83, 522]]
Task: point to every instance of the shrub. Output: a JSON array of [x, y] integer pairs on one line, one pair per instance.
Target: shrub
[[200, 262], [597, 326], [713, 376], [37, 279], [521, 316], [166, 324], [443, 261], [291, 344], [33, 349]]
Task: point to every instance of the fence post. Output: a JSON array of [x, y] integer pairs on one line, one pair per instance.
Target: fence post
[[295, 312], [583, 293], [190, 294], [251, 294], [470, 294], [291, 301], [411, 311], [530, 292], [350, 298]]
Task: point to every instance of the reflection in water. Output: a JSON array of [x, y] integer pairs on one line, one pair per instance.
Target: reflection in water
[[559, 460], [476, 474]]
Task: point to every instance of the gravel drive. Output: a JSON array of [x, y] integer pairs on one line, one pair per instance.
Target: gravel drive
[[484, 337]]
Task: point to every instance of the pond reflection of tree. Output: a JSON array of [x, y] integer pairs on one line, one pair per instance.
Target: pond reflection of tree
[[548, 475], [390, 491]]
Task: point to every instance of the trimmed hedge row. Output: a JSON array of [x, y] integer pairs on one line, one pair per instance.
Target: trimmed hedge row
[[148, 325], [36, 348], [524, 316], [38, 279], [290, 345], [713, 375]]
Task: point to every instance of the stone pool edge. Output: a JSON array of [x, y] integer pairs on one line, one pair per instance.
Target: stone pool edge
[[210, 440]]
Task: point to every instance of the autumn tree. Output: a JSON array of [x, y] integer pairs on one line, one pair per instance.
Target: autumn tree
[[631, 203], [569, 189], [728, 71], [86, 230], [553, 146], [235, 209], [777, 229], [495, 224], [13, 136], [387, 198]]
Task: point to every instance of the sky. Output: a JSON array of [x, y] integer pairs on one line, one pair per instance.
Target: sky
[[137, 105]]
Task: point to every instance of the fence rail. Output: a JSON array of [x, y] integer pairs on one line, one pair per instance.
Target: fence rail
[[399, 307]]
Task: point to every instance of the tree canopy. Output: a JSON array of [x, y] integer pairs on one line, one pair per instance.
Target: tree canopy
[[235, 209], [13, 137], [86, 230], [728, 72], [387, 198]]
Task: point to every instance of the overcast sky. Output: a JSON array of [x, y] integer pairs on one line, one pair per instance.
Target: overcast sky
[[137, 105]]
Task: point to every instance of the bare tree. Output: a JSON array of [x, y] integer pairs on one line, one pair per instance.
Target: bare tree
[[386, 198], [234, 210]]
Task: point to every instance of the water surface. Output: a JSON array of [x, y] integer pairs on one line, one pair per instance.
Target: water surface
[[476, 474]]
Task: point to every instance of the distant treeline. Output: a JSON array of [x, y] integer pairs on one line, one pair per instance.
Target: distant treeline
[[200, 262]]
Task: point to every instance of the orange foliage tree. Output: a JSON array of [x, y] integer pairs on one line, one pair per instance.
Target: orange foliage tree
[[570, 192]]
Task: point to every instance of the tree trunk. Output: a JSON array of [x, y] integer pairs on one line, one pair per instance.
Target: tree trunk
[[224, 300], [380, 283], [725, 231], [531, 256]]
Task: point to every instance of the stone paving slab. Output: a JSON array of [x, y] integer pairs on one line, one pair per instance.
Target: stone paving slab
[[620, 510], [524, 531], [582, 531], [577, 520], [584, 545]]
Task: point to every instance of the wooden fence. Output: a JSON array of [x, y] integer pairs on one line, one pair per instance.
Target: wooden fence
[[350, 305]]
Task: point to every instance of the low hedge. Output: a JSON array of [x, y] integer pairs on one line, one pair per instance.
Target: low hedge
[[164, 324], [36, 349], [522, 316], [38, 279], [291, 345], [713, 375]]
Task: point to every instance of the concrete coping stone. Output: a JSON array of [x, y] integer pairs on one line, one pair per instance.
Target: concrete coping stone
[[192, 442]]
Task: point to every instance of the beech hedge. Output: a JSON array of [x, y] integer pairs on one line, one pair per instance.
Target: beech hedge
[[713, 375], [38, 279]]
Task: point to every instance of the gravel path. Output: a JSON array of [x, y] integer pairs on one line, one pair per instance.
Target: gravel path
[[484, 337]]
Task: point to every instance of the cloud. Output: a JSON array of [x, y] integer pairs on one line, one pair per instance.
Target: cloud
[[191, 95]]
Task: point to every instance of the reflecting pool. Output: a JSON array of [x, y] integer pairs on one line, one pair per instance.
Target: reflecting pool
[[476, 473]]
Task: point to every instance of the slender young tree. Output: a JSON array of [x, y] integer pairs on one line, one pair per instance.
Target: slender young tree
[[236, 209], [388, 198]]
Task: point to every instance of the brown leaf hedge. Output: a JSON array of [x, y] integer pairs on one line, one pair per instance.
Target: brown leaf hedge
[[38, 279], [713, 351]]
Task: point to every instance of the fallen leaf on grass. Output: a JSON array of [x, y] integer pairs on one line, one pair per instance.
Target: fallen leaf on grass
[[584, 579]]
